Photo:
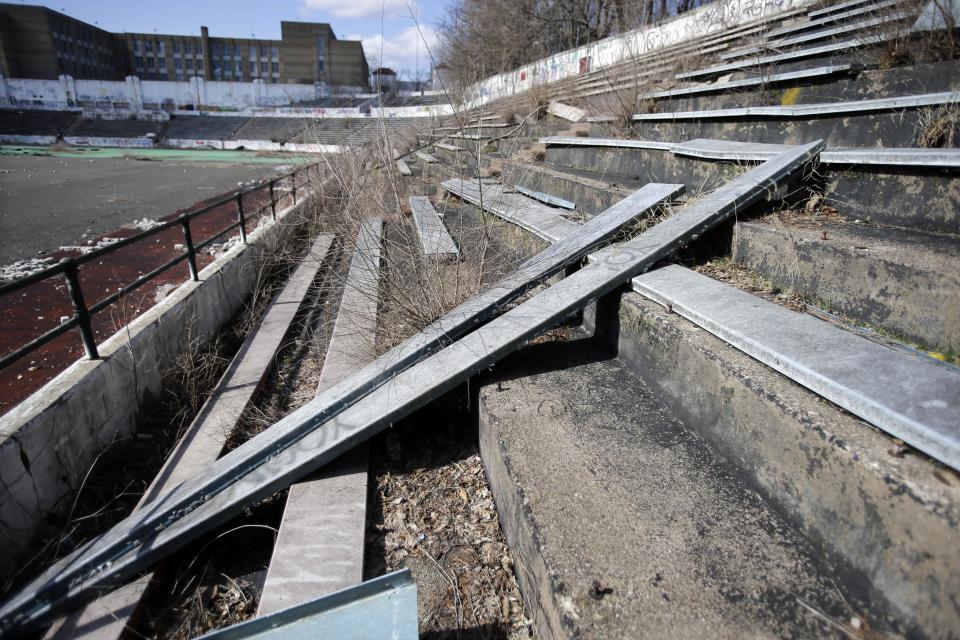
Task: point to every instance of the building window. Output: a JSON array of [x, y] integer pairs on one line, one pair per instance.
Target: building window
[[200, 66], [178, 64], [238, 69], [160, 47], [320, 56], [275, 67], [148, 46], [176, 46], [190, 64], [275, 53], [264, 68]]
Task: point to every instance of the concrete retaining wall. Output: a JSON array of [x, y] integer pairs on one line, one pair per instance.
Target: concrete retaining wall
[[49, 441], [17, 139], [267, 145], [90, 141], [193, 143], [133, 93]]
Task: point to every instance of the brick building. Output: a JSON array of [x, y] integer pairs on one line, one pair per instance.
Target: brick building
[[37, 42]]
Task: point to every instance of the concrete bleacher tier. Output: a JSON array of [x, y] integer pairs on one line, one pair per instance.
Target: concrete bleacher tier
[[415, 101], [97, 128], [343, 102], [273, 129], [36, 123], [203, 127]]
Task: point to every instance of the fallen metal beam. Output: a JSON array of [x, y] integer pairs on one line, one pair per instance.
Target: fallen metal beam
[[902, 394], [319, 547], [404, 392], [403, 168], [810, 110], [105, 561], [434, 237], [384, 608]]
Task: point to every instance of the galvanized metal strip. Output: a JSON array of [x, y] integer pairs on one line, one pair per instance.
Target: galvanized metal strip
[[434, 237], [750, 82], [406, 391], [95, 563], [552, 200], [426, 157], [902, 394], [810, 110], [319, 547], [448, 147], [537, 218], [879, 156], [107, 617], [819, 35], [384, 608], [833, 17], [784, 57], [836, 7], [606, 142], [733, 150]]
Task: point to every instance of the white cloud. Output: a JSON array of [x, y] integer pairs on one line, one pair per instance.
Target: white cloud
[[399, 52], [358, 8]]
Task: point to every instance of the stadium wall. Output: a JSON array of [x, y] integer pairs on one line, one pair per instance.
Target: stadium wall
[[714, 17]]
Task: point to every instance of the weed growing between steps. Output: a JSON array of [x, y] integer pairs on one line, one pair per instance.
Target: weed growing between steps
[[217, 581], [431, 511], [121, 474]]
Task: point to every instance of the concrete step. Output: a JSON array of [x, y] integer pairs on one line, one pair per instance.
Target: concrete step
[[905, 281], [625, 522], [592, 191], [845, 484], [888, 519], [903, 196]]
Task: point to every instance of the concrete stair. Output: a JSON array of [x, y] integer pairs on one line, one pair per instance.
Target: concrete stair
[[627, 521], [905, 281]]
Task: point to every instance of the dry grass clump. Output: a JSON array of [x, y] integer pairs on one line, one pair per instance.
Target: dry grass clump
[[938, 126]]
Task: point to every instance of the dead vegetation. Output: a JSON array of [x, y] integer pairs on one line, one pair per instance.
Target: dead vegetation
[[432, 512]]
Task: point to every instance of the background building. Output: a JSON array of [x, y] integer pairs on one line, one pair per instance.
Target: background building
[[36, 42]]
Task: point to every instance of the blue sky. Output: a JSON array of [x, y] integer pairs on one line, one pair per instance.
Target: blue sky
[[351, 19]]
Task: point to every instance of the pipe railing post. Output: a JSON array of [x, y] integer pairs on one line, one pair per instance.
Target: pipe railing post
[[191, 252], [273, 202], [293, 186], [241, 219], [80, 308]]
